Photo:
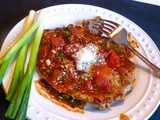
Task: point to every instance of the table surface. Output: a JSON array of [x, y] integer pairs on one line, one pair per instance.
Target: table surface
[[144, 15]]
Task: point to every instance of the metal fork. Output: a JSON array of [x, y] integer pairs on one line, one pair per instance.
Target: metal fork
[[120, 35]]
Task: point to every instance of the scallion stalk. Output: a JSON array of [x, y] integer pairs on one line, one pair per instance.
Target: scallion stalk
[[16, 102], [20, 42], [21, 115], [20, 62], [3, 68]]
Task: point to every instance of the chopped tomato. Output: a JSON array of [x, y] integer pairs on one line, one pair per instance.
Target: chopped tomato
[[113, 61], [87, 85], [101, 69], [58, 42], [43, 50], [102, 83], [50, 55], [76, 31], [102, 75]]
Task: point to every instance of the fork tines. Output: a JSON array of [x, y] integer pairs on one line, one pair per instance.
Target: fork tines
[[108, 26]]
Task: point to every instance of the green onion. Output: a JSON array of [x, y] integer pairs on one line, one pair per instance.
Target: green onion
[[5, 65], [20, 62], [21, 115], [20, 42], [60, 54], [16, 102], [3, 68]]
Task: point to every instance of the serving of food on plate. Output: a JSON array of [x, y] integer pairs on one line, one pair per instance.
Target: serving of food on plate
[[82, 67], [76, 71]]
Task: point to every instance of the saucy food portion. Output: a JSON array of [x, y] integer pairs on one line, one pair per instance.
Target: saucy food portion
[[78, 67]]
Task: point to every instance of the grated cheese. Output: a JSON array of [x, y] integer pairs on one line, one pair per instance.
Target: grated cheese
[[86, 56]]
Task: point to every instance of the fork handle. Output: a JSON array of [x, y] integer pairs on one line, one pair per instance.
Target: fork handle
[[147, 62]]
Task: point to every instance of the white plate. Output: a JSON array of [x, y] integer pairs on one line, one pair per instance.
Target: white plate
[[139, 104]]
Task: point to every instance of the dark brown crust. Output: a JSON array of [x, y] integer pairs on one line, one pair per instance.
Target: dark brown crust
[[45, 93]]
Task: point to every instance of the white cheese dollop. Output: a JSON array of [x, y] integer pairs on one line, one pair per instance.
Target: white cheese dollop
[[86, 57]]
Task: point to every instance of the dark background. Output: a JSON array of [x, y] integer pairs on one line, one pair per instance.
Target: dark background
[[144, 15]]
